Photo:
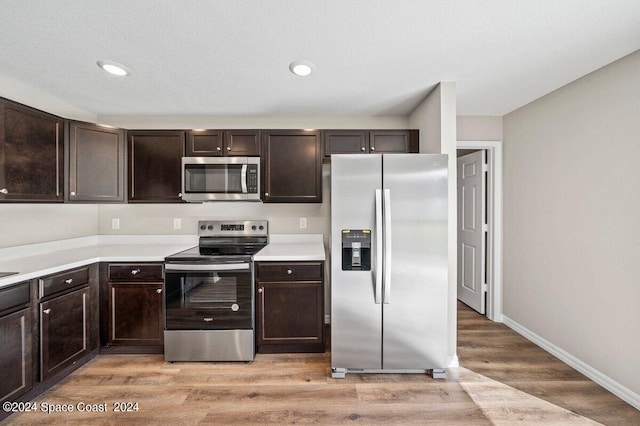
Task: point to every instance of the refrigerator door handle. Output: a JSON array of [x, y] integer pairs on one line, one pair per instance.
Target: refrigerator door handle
[[387, 247], [378, 268]]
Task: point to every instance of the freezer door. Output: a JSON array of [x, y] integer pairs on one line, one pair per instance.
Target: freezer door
[[415, 298], [356, 319]]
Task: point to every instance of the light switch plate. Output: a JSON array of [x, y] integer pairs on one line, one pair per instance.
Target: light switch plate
[[303, 223], [177, 223], [115, 223]]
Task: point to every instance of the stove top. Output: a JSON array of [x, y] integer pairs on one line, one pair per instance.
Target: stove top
[[226, 241]]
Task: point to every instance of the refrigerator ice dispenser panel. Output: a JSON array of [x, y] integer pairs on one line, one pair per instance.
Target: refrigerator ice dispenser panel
[[356, 249]]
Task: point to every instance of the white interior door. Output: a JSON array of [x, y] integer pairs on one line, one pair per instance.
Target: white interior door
[[472, 230]]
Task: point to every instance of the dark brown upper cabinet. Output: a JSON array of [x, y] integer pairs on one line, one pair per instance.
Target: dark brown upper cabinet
[[345, 142], [291, 166], [223, 143], [365, 142], [155, 165], [96, 163], [31, 154], [389, 141]]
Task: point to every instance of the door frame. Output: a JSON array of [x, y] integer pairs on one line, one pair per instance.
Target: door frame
[[494, 220]]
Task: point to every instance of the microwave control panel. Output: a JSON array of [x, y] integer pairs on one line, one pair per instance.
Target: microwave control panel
[[252, 178]]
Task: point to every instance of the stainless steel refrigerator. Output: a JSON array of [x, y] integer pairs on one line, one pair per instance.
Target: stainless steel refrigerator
[[389, 263]]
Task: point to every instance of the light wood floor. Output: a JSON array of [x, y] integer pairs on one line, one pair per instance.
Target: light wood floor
[[503, 380]]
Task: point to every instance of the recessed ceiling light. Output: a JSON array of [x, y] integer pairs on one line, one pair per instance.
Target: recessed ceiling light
[[302, 68], [114, 68]]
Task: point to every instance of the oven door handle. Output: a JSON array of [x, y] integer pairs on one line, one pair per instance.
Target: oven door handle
[[216, 267]]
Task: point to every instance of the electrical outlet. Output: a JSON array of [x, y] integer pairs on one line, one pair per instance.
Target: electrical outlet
[[115, 223], [303, 223], [177, 223]]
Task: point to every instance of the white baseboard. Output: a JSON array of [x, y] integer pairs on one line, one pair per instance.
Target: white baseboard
[[603, 380]]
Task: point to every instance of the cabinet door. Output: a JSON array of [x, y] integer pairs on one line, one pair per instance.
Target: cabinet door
[[345, 142], [136, 314], [290, 312], [205, 143], [16, 372], [291, 166], [64, 331], [31, 154], [155, 163], [390, 141], [242, 143], [96, 163]]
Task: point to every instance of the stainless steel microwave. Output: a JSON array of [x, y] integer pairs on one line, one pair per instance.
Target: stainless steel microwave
[[220, 179]]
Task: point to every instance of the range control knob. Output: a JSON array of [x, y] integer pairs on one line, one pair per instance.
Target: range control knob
[[203, 227], [261, 227], [210, 227], [253, 227]]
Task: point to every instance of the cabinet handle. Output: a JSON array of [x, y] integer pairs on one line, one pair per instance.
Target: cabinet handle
[[46, 311], [373, 148], [260, 290], [135, 271], [159, 290], [73, 194], [207, 319], [266, 194], [228, 148], [362, 148], [289, 271], [68, 281], [4, 191], [179, 194], [218, 148]]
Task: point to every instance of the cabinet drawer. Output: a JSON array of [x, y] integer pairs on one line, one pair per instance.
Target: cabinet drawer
[[135, 272], [289, 271], [14, 297], [63, 281]]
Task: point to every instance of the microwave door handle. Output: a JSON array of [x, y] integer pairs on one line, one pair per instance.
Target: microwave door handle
[[243, 178]]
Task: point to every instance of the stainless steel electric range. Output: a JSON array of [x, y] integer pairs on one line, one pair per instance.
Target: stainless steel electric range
[[208, 302]]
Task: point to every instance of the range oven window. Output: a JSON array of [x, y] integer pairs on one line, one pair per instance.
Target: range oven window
[[208, 300]]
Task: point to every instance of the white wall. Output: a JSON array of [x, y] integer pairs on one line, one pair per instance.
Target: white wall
[[571, 211], [479, 128], [35, 223], [436, 119]]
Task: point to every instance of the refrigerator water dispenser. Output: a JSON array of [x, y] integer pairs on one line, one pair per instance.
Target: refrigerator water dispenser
[[356, 249]]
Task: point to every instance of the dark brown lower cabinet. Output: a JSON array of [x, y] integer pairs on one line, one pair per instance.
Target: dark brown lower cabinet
[[132, 316], [290, 307], [136, 314], [16, 369], [64, 331]]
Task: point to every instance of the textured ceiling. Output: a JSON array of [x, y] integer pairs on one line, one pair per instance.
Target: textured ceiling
[[372, 57]]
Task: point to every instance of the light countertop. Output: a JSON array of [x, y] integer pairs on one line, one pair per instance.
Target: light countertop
[[292, 247], [37, 260]]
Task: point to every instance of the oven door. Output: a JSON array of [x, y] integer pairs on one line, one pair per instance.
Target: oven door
[[208, 296]]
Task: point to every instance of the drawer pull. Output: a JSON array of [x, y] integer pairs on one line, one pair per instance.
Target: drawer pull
[[260, 290], [46, 311], [159, 290], [289, 272], [135, 271], [208, 319], [68, 281]]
